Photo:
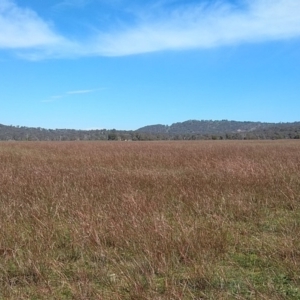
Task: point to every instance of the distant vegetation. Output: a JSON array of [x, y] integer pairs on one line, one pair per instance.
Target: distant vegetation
[[194, 130], [189, 130], [173, 220]]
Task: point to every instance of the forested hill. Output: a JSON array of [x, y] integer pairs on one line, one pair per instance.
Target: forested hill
[[206, 127], [224, 129], [188, 130]]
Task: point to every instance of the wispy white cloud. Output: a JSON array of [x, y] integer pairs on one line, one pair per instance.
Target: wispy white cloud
[[70, 93], [206, 26], [163, 27], [81, 92], [23, 28]]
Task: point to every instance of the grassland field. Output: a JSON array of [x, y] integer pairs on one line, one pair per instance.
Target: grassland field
[[150, 220]]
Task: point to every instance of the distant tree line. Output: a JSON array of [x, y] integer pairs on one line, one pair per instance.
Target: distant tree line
[[160, 132]]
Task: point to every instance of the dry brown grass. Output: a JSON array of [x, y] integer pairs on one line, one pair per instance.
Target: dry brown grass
[[151, 220]]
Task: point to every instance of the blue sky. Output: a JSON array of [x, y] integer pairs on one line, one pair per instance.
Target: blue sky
[[124, 64]]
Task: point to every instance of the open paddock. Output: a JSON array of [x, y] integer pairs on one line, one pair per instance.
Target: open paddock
[[150, 220]]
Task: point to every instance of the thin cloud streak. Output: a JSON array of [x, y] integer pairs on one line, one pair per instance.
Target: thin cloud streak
[[187, 27], [70, 93], [81, 92]]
